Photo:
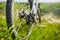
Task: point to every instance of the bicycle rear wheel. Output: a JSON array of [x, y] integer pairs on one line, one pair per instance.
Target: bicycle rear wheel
[[9, 16]]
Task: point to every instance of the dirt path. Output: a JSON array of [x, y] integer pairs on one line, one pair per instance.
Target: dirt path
[[50, 19]]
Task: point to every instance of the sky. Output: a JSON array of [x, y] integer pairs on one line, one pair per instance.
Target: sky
[[41, 1]]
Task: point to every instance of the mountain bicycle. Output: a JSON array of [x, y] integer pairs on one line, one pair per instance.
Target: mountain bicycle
[[30, 18]]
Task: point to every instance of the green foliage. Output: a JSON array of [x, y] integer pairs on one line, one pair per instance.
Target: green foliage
[[2, 8], [18, 6], [47, 32]]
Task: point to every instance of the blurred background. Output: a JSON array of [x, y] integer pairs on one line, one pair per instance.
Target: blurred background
[[49, 28]]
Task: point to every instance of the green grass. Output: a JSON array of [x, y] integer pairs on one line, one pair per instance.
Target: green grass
[[45, 33], [48, 32]]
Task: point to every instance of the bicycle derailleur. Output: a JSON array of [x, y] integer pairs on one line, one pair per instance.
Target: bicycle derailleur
[[28, 17]]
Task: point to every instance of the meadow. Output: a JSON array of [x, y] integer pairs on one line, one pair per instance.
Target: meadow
[[46, 30]]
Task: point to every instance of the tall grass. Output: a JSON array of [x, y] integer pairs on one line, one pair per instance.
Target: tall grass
[[46, 32]]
